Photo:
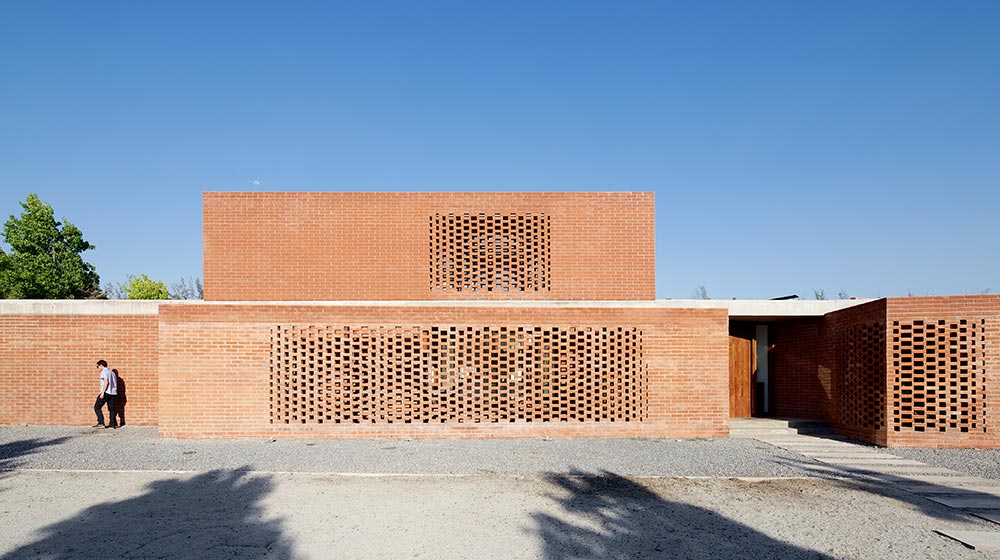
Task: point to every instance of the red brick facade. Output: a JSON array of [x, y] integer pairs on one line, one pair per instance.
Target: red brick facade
[[902, 372], [801, 378], [942, 366], [217, 360], [49, 362], [362, 315], [428, 246]]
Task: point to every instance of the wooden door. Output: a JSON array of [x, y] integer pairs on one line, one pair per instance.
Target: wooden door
[[742, 369]]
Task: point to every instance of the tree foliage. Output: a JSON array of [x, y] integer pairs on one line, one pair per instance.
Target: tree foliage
[[187, 289], [45, 260], [143, 287]]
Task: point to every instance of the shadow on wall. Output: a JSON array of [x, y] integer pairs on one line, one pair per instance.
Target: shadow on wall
[[212, 515], [618, 518]]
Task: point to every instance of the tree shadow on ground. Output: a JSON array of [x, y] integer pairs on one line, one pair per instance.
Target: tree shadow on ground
[[609, 516], [212, 515], [11, 452], [887, 485]]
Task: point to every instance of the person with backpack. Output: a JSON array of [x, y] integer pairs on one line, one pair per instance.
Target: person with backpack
[[109, 390]]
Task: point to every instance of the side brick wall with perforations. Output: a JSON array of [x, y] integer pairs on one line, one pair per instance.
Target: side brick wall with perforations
[[344, 371], [853, 346], [902, 372], [428, 246], [48, 366], [944, 371]]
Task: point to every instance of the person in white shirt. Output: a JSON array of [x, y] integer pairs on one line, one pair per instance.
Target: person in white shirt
[[109, 390]]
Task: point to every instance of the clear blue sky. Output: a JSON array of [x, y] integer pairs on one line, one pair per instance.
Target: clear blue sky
[[792, 146]]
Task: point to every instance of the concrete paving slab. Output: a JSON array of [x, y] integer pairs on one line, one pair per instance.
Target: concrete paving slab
[[847, 455], [976, 540], [967, 502], [930, 489], [843, 451], [823, 449], [865, 461], [991, 515], [915, 470], [937, 479], [813, 443], [826, 457]]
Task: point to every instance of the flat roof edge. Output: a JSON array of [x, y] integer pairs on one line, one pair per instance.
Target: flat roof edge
[[737, 309], [79, 307]]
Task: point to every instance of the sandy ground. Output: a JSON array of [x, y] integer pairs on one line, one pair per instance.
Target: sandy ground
[[244, 514]]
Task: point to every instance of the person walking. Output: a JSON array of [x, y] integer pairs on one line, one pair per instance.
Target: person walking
[[109, 390]]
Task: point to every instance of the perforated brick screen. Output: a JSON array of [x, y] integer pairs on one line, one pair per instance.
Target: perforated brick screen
[[938, 375], [489, 252], [861, 383], [456, 374]]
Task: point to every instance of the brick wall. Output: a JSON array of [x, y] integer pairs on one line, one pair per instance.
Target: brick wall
[[952, 379], [853, 350], [408, 246], [902, 372], [801, 378], [49, 361], [217, 360]]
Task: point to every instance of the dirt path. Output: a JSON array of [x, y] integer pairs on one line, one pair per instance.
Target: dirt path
[[226, 514]]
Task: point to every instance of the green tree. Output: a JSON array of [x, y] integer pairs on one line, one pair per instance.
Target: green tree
[[143, 287], [45, 260]]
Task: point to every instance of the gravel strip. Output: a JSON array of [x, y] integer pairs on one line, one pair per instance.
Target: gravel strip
[[138, 448]]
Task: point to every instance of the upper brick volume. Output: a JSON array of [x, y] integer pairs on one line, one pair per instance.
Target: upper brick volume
[[321, 246]]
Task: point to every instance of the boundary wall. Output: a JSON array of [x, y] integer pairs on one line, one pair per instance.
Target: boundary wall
[[327, 246], [441, 371], [48, 355]]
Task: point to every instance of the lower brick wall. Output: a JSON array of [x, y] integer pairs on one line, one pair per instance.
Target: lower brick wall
[[49, 362], [216, 364], [205, 370]]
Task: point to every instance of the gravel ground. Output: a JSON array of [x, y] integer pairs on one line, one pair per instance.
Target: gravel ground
[[68, 515], [138, 448], [550, 499], [984, 463]]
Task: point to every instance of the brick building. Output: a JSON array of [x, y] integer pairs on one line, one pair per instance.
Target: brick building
[[457, 315]]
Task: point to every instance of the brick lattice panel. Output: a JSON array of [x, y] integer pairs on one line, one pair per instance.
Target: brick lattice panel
[[861, 380], [489, 252], [457, 374], [938, 376]]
